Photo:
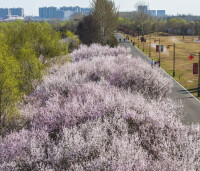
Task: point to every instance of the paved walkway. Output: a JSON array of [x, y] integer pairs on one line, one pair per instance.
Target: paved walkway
[[191, 104]]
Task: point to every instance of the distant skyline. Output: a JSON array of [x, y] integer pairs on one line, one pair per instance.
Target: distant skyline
[[172, 7]]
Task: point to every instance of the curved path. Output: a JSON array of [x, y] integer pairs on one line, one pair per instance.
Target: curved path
[[191, 103]]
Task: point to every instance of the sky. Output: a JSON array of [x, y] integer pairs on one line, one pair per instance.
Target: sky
[[172, 7]]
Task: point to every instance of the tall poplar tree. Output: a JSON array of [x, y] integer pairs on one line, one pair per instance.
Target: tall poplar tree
[[106, 15]]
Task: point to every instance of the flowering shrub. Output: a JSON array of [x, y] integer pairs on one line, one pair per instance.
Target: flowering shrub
[[103, 112], [126, 72], [24, 150], [95, 50]]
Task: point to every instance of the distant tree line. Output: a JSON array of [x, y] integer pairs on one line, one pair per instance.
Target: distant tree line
[[188, 18], [144, 24], [62, 26]]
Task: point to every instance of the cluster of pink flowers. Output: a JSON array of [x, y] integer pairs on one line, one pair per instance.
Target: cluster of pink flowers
[[104, 111], [95, 50]]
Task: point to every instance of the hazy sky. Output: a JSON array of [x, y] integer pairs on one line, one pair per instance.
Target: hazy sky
[[171, 6]]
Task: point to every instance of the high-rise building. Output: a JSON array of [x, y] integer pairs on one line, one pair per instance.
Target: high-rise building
[[160, 13], [152, 12], [143, 8], [48, 12], [74, 9], [4, 13], [17, 11], [63, 13], [51, 12], [43, 12]]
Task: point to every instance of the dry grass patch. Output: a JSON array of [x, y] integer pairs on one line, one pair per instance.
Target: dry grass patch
[[184, 47]]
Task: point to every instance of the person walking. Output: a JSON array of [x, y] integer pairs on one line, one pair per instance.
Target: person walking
[[152, 63]]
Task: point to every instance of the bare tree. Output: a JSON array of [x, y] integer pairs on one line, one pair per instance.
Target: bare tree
[[106, 15], [142, 17]]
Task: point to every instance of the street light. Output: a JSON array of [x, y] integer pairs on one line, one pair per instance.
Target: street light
[[143, 40], [134, 39], [134, 36], [174, 45], [149, 46], [143, 46]]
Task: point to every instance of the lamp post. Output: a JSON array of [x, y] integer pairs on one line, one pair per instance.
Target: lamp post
[[174, 45], [143, 39], [143, 46], [134, 39], [149, 46]]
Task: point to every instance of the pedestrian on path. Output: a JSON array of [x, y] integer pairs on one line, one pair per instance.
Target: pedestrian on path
[[157, 63], [152, 63]]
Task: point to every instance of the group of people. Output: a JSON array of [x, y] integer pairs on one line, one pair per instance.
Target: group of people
[[155, 63], [120, 40], [125, 40]]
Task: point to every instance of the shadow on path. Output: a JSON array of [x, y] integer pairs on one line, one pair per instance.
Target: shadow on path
[[193, 90]]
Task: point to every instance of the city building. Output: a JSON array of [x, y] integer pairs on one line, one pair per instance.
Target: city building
[[7, 13], [152, 12], [52, 12], [4, 13], [74, 9], [48, 12], [160, 13], [42, 12], [64, 13], [143, 8], [17, 12]]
